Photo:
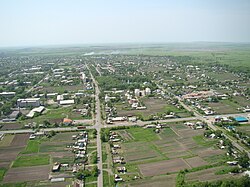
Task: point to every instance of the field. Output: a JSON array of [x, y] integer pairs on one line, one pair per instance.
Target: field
[[207, 175], [225, 107], [34, 160], [23, 160], [163, 167], [154, 107], [27, 174], [151, 155]]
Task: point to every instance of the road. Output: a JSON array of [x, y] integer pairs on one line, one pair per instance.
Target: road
[[209, 121], [98, 125], [33, 87]]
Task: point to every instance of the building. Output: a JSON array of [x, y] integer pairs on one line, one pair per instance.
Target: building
[[241, 119], [34, 102], [39, 110], [67, 102], [8, 94], [147, 91]]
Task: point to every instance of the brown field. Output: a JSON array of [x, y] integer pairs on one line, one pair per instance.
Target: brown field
[[207, 175], [20, 140], [163, 167], [209, 151], [196, 162], [27, 174], [157, 181], [9, 153], [11, 126], [222, 108]]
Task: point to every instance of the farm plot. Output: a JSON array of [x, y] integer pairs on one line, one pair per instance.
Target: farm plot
[[135, 152], [225, 107], [157, 181], [207, 175], [154, 107], [125, 135], [31, 160], [196, 162], [20, 140], [27, 174], [163, 167], [11, 126], [6, 141]]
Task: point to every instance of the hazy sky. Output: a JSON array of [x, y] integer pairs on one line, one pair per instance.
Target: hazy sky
[[46, 22]]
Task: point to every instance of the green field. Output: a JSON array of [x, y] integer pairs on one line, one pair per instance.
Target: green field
[[34, 160], [2, 172], [200, 140], [32, 147], [145, 135]]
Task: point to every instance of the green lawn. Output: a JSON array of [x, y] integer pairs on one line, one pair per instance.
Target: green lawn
[[200, 140], [35, 160], [32, 147], [2, 172], [140, 134]]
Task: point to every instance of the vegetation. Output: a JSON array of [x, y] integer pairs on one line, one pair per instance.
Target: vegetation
[[34, 160]]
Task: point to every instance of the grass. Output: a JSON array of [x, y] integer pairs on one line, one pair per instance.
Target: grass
[[7, 139], [23, 184], [2, 173], [32, 147], [224, 170], [200, 140], [35, 160], [108, 181], [144, 135], [167, 132]]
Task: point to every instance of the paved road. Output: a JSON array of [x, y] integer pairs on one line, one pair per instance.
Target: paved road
[[98, 125]]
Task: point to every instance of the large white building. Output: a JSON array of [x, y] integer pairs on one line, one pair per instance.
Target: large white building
[[34, 102]]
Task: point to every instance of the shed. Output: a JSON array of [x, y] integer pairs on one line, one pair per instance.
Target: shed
[[241, 119]]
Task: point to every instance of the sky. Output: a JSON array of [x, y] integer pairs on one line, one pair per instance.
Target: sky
[[69, 22]]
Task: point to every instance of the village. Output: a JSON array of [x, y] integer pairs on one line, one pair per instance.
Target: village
[[122, 120]]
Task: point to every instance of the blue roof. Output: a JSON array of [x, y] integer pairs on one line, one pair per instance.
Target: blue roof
[[241, 119]]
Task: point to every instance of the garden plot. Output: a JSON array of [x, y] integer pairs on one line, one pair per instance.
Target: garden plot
[[196, 162], [163, 167], [157, 181], [207, 175], [125, 135], [20, 140], [134, 152], [23, 174]]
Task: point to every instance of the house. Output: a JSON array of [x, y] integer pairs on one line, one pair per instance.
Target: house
[[59, 98], [121, 169], [56, 167], [67, 102], [8, 94], [67, 121], [118, 178], [34, 102], [39, 110], [13, 116]]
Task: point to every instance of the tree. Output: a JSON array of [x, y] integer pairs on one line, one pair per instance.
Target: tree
[[244, 160], [95, 171]]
